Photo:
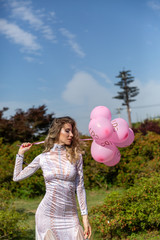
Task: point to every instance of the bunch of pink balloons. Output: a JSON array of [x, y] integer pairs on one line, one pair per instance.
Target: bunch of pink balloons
[[107, 135]]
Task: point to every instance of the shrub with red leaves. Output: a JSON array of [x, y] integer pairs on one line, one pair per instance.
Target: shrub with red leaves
[[25, 125], [148, 126]]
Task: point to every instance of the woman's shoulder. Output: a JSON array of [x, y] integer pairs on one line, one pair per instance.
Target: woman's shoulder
[[41, 157]]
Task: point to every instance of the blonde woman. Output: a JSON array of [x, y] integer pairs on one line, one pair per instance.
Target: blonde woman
[[62, 166]]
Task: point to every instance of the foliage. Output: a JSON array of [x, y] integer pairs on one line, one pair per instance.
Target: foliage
[[127, 212], [96, 175], [30, 205], [134, 209], [10, 227], [148, 125], [147, 235], [128, 92], [25, 126], [32, 186], [140, 159]]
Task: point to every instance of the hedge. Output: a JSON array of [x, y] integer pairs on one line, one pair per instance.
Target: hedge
[[140, 159], [10, 219], [136, 209]]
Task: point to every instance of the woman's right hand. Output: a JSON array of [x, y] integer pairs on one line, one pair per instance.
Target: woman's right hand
[[24, 148]]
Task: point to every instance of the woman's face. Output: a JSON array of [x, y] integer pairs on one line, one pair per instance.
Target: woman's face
[[66, 135]]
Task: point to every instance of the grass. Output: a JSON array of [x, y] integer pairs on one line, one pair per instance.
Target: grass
[[94, 197], [145, 236], [29, 206]]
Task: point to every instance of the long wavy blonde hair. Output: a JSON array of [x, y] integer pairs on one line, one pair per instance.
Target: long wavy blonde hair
[[73, 150]]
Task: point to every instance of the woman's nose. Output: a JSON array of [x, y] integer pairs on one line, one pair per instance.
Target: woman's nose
[[71, 134]]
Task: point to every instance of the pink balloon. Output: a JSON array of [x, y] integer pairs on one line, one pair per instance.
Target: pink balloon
[[128, 141], [104, 142], [100, 111], [100, 128], [115, 159], [120, 130], [102, 154]]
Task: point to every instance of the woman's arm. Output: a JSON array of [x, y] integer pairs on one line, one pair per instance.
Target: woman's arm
[[87, 227], [81, 194], [20, 174]]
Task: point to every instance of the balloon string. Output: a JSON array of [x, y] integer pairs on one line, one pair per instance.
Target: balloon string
[[86, 139], [37, 143]]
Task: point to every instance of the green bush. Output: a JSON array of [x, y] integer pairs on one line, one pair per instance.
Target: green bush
[[30, 187], [96, 175], [140, 159], [10, 219], [130, 211]]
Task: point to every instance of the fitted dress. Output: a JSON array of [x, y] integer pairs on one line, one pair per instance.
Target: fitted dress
[[56, 216]]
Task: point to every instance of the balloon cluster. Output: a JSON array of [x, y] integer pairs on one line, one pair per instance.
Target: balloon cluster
[[108, 135]]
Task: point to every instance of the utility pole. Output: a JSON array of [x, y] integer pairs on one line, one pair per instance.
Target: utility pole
[[128, 92]]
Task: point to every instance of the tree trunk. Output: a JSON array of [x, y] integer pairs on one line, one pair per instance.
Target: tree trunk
[[129, 116]]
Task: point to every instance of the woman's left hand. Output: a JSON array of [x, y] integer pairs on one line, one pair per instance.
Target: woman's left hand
[[87, 227]]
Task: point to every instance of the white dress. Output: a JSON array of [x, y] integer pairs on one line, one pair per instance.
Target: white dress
[[56, 216]]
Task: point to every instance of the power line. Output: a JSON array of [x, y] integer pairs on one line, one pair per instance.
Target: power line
[[145, 106]]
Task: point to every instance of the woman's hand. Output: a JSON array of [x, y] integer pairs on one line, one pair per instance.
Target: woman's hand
[[24, 148], [87, 227]]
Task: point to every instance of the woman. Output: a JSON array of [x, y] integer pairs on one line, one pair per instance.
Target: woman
[[62, 166]]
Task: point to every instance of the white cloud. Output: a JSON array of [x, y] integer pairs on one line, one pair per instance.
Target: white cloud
[[147, 104], [48, 33], [44, 89], [71, 42], [42, 80], [19, 36], [66, 33], [83, 89], [102, 75], [52, 14], [154, 5], [83, 93], [29, 59], [149, 92], [24, 11]]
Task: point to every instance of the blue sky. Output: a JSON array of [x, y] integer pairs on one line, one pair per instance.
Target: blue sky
[[66, 54]]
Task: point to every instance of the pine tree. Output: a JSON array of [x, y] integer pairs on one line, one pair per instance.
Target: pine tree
[[128, 92]]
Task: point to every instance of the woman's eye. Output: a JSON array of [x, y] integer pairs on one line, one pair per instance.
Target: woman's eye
[[67, 131]]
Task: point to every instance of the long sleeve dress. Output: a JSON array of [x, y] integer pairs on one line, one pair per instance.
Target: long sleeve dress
[[56, 216]]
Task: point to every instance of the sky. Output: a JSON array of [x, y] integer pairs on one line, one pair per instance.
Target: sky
[[66, 54]]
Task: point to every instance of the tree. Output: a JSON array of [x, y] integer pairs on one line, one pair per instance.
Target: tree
[[128, 93], [25, 126]]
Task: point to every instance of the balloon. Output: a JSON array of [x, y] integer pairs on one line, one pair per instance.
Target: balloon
[[103, 154], [120, 130], [100, 111], [115, 159], [128, 141], [104, 142], [100, 128]]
